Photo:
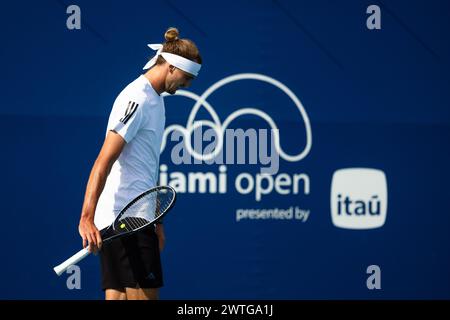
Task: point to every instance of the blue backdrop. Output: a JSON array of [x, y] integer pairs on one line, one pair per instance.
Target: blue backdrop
[[374, 99]]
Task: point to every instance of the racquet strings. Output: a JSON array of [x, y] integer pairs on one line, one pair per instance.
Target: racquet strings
[[144, 210]]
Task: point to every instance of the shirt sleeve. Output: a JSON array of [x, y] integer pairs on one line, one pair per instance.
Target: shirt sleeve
[[126, 118]]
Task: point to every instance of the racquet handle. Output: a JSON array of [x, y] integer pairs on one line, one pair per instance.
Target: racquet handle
[[80, 255]]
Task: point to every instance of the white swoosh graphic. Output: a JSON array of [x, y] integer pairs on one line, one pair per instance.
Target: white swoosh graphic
[[220, 128]]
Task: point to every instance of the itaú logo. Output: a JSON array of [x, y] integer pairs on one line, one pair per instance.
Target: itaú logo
[[358, 198], [250, 146]]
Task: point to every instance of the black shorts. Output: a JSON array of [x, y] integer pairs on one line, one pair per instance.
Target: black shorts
[[132, 261]]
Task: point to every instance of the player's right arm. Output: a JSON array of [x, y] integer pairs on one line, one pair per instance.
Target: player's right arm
[[110, 151]]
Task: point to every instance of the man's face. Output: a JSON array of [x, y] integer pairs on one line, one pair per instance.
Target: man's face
[[176, 79]]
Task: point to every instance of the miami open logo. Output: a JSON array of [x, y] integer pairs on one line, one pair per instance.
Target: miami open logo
[[268, 180]]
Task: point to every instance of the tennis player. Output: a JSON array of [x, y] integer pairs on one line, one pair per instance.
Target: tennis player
[[127, 165]]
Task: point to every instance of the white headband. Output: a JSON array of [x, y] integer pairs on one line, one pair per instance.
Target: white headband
[[173, 59]]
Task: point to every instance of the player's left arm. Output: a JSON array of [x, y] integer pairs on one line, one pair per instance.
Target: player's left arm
[[159, 229]]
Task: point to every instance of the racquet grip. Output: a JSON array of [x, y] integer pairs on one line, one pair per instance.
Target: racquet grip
[[80, 255]]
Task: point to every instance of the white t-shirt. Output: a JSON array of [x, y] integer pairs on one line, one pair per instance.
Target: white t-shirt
[[138, 115]]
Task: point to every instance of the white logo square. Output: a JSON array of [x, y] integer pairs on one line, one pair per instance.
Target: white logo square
[[358, 198]]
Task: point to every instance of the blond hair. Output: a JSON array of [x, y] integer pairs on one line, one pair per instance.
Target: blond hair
[[182, 47]]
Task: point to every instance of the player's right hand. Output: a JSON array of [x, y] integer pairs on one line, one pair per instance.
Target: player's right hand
[[90, 235]]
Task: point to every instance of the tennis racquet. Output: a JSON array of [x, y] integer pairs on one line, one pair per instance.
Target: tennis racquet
[[144, 210]]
